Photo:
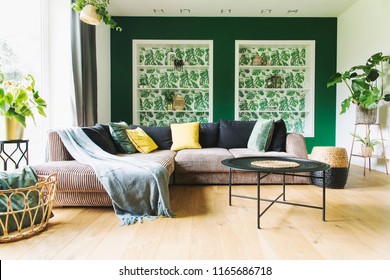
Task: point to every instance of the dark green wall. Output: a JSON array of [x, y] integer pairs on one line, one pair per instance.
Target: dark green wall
[[224, 32]]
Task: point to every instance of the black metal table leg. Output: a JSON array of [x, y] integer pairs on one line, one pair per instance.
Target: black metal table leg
[[230, 187], [284, 186], [323, 195], [258, 200]]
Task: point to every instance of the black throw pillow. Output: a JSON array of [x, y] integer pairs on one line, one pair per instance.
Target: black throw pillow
[[234, 134], [209, 134], [279, 136], [161, 135], [101, 137]]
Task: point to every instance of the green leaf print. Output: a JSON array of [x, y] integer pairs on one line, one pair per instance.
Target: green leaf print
[[194, 76], [204, 79], [190, 57], [298, 57], [293, 102], [259, 82], [252, 105], [159, 104], [164, 80], [243, 105], [179, 53], [244, 60], [188, 100], [159, 57], [200, 103], [249, 82], [250, 95], [184, 80], [153, 81], [147, 104], [263, 105], [173, 79], [283, 104]]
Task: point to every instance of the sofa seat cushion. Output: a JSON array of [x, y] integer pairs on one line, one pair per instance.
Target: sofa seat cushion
[[164, 157], [72, 176], [244, 152], [77, 177], [201, 160]]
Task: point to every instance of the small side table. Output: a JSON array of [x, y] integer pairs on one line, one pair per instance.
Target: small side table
[[16, 155], [337, 158]]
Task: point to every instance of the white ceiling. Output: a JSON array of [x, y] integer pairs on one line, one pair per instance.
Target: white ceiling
[[239, 8]]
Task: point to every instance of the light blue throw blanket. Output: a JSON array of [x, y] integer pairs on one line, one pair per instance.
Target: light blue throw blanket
[[138, 188]]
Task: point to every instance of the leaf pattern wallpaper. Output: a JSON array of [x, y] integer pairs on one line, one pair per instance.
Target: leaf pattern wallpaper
[[155, 80], [273, 90]]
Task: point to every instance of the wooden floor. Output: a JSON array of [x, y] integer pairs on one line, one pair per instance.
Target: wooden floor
[[206, 228]]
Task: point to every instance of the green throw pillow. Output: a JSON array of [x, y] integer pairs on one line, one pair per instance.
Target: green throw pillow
[[261, 135], [122, 141]]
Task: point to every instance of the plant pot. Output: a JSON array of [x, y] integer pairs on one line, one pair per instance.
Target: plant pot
[[366, 116], [88, 15], [13, 129], [366, 151]]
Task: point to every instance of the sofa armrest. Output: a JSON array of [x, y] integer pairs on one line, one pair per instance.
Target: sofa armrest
[[56, 149], [296, 145]]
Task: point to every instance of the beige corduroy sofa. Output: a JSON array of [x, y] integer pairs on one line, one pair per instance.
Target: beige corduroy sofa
[[78, 185]]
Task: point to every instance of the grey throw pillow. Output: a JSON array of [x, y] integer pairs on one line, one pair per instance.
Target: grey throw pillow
[[261, 135]]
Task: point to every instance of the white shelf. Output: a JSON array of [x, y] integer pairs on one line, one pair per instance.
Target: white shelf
[[272, 111], [161, 89], [274, 89], [173, 67], [252, 48], [173, 111], [155, 93], [271, 67]]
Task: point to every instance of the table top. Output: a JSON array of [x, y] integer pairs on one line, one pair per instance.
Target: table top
[[13, 141], [245, 163]]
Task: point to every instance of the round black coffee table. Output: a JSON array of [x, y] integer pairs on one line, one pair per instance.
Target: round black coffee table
[[265, 166]]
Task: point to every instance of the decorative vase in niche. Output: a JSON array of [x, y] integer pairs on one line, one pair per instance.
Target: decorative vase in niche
[[366, 116], [366, 151], [178, 103], [13, 129], [256, 61]]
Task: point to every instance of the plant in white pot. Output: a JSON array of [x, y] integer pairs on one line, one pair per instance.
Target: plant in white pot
[[366, 86], [368, 144], [19, 101], [94, 11]]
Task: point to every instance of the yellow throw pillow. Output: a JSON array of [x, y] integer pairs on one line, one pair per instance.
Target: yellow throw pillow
[[185, 136], [141, 141]]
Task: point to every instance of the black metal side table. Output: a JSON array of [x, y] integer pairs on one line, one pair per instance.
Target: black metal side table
[[15, 154]]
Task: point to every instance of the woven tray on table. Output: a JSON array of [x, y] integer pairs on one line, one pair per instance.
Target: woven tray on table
[[35, 211]]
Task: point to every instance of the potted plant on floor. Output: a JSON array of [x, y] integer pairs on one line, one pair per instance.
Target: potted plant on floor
[[366, 86], [18, 101], [94, 11], [368, 144]]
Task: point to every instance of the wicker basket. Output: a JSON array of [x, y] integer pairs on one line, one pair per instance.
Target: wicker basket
[[24, 223], [336, 176]]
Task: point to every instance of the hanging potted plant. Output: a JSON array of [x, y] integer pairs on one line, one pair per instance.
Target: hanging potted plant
[[18, 101], [368, 144], [366, 86], [94, 11]]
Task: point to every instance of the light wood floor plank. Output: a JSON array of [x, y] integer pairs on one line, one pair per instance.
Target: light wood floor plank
[[205, 227]]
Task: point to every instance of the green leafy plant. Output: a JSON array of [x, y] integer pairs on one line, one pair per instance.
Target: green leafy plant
[[19, 100], [367, 141], [363, 82], [101, 10]]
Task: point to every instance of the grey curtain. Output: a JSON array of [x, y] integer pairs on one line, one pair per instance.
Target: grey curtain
[[83, 40]]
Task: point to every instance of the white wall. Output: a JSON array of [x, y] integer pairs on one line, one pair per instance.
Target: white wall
[[363, 30]]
